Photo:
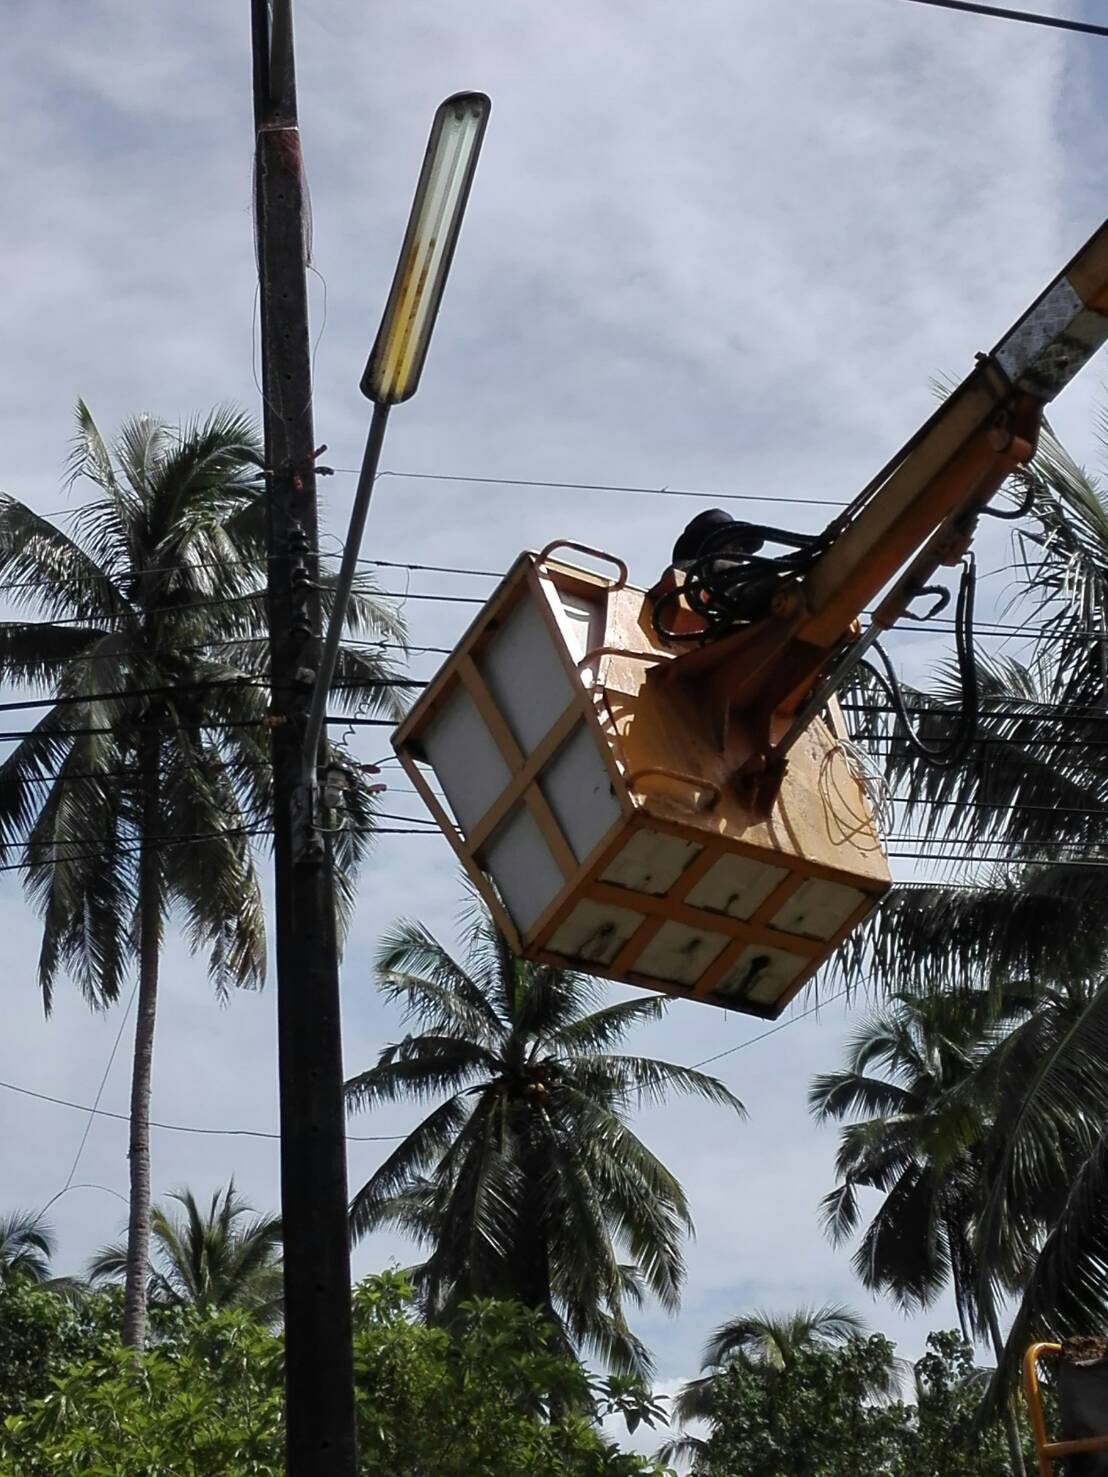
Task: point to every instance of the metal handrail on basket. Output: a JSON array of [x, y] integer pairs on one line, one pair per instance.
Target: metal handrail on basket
[[566, 543], [1050, 1451]]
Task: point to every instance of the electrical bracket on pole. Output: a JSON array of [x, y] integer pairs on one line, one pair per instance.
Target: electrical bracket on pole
[[308, 846]]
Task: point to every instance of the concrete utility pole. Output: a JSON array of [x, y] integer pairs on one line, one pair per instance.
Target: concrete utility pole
[[319, 1380]]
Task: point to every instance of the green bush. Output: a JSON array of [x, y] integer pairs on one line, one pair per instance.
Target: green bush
[[818, 1417], [205, 1400]]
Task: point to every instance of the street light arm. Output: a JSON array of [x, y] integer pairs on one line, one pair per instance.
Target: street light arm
[[329, 660]]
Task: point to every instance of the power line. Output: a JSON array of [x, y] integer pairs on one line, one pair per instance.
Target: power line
[[250, 1133], [106, 846], [378, 1138], [1037, 712], [13, 734], [413, 826], [214, 726], [171, 690], [257, 595], [188, 567], [86, 1185], [218, 642], [1000, 13], [535, 482], [965, 859], [165, 690], [773, 1030], [920, 801], [95, 1105], [986, 628]]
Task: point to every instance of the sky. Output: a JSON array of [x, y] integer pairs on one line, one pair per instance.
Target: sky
[[721, 247]]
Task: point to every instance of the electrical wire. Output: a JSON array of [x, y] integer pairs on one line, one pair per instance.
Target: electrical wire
[[1046, 712], [988, 628], [108, 845], [431, 830], [998, 12], [249, 1133], [95, 1105], [728, 580], [191, 565], [773, 1030], [951, 753], [923, 801], [123, 693], [105, 846], [375, 1138], [202, 684], [535, 482], [13, 734], [217, 643]]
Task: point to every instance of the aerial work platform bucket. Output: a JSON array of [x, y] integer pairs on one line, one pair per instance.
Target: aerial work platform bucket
[[592, 802]]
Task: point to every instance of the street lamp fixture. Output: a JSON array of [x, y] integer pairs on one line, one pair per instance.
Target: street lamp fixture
[[396, 361]]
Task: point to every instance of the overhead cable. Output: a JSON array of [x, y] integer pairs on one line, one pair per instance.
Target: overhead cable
[[249, 1133], [998, 12]]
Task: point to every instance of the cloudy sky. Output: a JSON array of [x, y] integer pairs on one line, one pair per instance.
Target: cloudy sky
[[721, 246]]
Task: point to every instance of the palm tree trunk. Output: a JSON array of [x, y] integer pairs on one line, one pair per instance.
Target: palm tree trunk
[[534, 1273], [149, 950], [953, 1245], [1011, 1429]]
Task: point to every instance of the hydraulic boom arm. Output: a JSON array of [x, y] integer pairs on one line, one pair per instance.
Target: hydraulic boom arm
[[776, 673]]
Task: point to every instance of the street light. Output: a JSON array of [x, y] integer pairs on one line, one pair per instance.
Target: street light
[[396, 360], [392, 373]]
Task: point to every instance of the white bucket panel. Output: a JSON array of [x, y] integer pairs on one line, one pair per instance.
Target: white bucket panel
[[738, 885], [761, 974], [679, 954], [581, 623], [522, 866], [579, 791], [650, 862], [594, 933], [818, 909], [463, 754], [525, 674]]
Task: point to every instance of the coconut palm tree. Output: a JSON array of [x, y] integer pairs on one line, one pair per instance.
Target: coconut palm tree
[[774, 1340], [220, 1259], [1032, 791], [1029, 803], [917, 1136], [764, 1341], [917, 1123], [141, 787], [26, 1246], [526, 1180]]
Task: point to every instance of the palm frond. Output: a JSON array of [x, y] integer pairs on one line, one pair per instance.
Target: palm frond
[[1066, 1292], [26, 1245], [50, 570], [1066, 561], [406, 1165], [839, 1212], [602, 1029], [776, 1340], [413, 967], [418, 1067], [1047, 922]]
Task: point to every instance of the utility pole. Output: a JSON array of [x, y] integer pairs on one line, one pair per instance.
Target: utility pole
[[319, 1379]]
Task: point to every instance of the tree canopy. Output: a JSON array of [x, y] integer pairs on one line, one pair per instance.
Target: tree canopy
[[526, 1180], [206, 1398]]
